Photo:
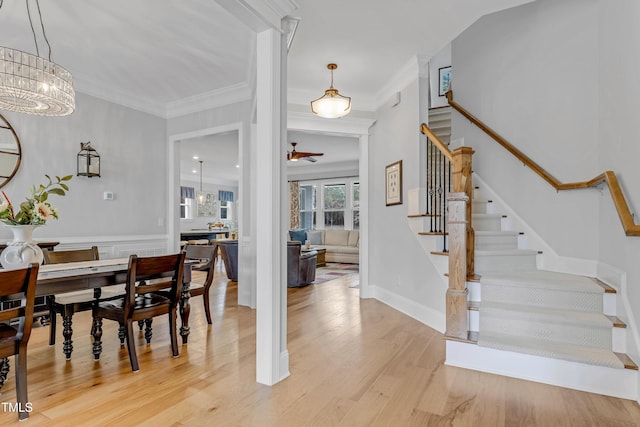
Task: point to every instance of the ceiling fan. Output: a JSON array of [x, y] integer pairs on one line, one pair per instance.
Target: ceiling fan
[[294, 155]]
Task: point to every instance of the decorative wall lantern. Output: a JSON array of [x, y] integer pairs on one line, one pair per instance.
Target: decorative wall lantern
[[88, 160]]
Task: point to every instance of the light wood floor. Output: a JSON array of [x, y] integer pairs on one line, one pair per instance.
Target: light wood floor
[[353, 363]]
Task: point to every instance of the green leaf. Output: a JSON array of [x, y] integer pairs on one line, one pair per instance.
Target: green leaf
[[67, 178], [44, 196], [58, 191], [65, 186]]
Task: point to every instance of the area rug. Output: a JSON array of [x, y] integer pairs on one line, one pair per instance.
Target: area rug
[[335, 270]]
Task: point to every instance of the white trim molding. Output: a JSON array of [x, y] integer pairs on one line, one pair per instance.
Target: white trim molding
[[209, 100]]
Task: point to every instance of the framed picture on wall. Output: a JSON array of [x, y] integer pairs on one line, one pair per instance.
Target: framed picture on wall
[[393, 183], [444, 80]]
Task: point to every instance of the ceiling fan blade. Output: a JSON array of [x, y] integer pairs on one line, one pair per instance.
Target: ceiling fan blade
[[301, 154], [310, 159]]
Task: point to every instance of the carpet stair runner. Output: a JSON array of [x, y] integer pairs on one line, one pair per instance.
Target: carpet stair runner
[[537, 312]]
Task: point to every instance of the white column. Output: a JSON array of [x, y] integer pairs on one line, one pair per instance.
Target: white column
[[272, 358]]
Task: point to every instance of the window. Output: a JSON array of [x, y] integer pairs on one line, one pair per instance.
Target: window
[[225, 209], [335, 202], [186, 208], [330, 204], [308, 207]]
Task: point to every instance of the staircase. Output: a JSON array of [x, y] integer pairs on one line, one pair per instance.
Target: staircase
[[544, 326]]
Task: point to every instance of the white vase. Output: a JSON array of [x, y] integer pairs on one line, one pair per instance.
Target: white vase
[[22, 251]]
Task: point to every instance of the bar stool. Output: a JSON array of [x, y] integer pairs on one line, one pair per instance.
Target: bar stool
[[198, 242]]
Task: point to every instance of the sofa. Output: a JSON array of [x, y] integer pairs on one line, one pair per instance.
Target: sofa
[[301, 266], [341, 245]]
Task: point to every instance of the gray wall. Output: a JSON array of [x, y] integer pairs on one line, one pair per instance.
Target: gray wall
[[132, 151], [398, 263], [559, 79]]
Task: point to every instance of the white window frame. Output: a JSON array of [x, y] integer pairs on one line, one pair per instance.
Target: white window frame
[[319, 210], [188, 209]]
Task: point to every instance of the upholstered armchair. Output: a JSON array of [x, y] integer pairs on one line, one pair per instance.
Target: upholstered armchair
[[301, 266], [229, 252]]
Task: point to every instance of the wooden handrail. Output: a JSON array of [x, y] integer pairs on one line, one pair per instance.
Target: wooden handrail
[[444, 148], [620, 202]]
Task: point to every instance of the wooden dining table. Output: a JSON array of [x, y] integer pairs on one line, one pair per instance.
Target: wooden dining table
[[56, 279]]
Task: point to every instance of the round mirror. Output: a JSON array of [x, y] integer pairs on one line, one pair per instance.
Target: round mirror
[[10, 152]]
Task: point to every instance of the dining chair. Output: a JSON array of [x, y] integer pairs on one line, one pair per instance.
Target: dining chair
[[205, 260], [19, 285], [67, 304], [145, 276]]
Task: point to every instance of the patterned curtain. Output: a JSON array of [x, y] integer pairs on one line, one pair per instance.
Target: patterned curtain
[[294, 205]]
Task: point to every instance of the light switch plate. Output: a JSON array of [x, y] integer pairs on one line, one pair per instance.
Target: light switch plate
[[108, 195]]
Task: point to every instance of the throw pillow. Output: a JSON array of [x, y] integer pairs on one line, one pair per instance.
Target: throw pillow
[[315, 237], [299, 235]]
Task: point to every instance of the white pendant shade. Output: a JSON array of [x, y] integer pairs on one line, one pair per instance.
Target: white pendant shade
[[332, 105]]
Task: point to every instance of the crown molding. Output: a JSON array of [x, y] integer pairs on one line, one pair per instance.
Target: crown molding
[[347, 126], [259, 15], [117, 97], [208, 100], [416, 67]]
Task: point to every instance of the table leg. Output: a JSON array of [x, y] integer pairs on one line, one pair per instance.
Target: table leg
[[185, 310], [4, 370]]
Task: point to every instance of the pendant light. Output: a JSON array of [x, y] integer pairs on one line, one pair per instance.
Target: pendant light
[[34, 85], [332, 105], [201, 194]]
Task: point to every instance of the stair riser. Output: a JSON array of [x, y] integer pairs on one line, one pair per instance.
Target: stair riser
[[563, 300], [487, 223], [584, 335], [505, 262], [479, 207], [496, 242]]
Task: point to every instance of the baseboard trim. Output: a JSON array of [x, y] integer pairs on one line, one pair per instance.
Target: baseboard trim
[[621, 383], [427, 315]]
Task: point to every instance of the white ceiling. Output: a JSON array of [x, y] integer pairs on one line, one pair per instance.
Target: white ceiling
[[152, 55]]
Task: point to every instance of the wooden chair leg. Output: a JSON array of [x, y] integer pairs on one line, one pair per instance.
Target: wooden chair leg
[[141, 324], [52, 327], [207, 310], [173, 332], [131, 347], [21, 383]]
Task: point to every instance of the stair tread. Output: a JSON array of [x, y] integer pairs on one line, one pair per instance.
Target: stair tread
[[472, 338], [432, 233], [627, 361], [617, 322], [502, 252], [486, 215], [549, 314], [550, 349], [542, 279], [424, 215], [439, 253], [496, 233]]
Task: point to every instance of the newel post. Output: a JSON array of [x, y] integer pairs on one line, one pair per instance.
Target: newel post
[[463, 183], [457, 316]]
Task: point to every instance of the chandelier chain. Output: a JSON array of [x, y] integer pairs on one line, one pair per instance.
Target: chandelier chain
[[44, 33]]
